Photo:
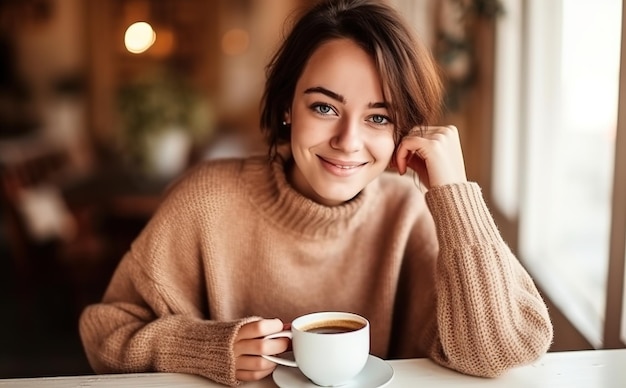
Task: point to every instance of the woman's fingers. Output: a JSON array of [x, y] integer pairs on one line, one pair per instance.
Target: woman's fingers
[[252, 368], [250, 339], [259, 346], [252, 363], [434, 153], [259, 328], [402, 156], [250, 344]]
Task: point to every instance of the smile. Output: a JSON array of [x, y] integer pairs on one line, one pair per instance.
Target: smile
[[345, 167], [340, 167], [342, 164]]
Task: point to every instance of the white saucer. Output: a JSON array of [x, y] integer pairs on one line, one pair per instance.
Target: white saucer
[[376, 374]]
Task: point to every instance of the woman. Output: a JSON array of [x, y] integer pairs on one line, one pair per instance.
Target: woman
[[323, 225]]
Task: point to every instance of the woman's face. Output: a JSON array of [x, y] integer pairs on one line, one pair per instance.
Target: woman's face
[[341, 134]]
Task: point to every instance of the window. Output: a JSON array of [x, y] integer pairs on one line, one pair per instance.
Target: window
[[557, 78]]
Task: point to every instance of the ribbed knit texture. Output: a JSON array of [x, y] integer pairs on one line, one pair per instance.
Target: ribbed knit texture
[[233, 242]]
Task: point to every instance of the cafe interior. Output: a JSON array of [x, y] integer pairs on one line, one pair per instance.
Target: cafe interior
[[103, 104]]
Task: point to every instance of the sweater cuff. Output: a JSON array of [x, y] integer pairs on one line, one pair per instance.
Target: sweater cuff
[[461, 214], [206, 348]]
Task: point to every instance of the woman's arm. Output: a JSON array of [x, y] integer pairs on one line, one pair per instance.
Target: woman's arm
[[490, 316], [137, 328], [143, 326], [121, 337], [155, 316]]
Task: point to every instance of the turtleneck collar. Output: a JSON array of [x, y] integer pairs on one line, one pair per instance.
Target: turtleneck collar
[[280, 202]]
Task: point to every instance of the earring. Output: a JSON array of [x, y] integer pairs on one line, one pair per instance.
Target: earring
[[286, 124]]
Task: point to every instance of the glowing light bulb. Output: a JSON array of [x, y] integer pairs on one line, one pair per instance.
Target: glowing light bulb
[[139, 37]]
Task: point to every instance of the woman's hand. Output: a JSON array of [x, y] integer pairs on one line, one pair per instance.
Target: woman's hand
[[250, 344], [434, 153]]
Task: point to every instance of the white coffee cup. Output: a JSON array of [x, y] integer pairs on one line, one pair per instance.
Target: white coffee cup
[[330, 348]]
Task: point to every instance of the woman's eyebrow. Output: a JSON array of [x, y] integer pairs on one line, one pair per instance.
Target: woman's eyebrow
[[378, 105], [326, 92], [340, 98]]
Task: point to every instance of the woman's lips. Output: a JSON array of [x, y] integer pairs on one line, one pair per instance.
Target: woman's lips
[[341, 167]]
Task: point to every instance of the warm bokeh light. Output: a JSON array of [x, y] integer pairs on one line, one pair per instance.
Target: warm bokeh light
[[139, 37], [235, 41]]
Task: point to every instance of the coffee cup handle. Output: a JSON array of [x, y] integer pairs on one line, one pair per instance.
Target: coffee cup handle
[[279, 360]]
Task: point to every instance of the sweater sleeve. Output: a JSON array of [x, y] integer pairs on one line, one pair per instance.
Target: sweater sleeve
[[153, 316], [490, 316]]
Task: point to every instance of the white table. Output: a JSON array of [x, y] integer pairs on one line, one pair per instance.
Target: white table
[[584, 369]]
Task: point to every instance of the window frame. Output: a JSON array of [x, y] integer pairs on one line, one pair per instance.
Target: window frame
[[508, 211]]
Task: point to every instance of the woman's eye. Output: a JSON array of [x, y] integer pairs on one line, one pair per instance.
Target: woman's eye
[[323, 109], [380, 119]]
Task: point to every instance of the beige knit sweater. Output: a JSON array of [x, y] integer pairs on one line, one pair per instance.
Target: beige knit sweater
[[233, 241]]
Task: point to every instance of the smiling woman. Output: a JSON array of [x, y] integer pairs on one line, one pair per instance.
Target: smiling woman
[[339, 142], [324, 225]]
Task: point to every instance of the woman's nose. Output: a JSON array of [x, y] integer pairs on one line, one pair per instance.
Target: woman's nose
[[348, 137]]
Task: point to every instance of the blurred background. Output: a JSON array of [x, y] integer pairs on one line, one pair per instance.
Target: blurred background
[[104, 103]]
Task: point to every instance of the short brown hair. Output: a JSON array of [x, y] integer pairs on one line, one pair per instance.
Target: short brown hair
[[411, 83]]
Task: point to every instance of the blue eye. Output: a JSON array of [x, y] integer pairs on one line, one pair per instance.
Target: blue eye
[[380, 119], [323, 109]]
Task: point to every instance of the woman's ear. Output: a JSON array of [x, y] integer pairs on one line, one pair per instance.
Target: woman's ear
[[287, 118]]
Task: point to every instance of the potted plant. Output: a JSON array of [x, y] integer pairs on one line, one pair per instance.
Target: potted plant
[[162, 116]]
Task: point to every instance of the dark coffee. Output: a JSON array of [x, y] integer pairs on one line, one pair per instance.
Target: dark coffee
[[334, 326]]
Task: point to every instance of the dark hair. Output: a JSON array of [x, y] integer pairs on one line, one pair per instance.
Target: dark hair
[[410, 80]]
